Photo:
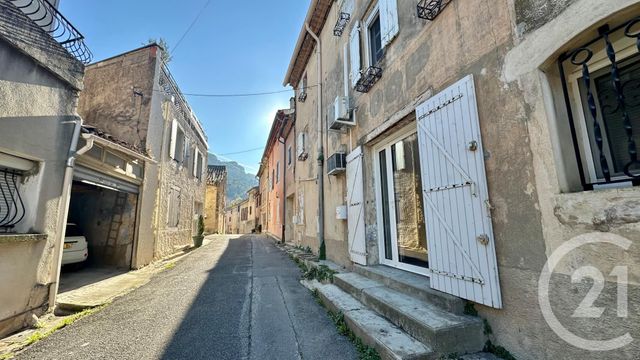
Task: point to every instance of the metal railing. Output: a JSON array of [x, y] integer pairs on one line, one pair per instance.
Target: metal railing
[[47, 17], [170, 87], [610, 102], [12, 209]]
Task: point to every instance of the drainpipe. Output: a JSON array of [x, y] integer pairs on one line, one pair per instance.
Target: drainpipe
[[63, 209], [322, 254], [283, 141]]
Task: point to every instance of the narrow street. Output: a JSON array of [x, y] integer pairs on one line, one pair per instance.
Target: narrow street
[[236, 298]]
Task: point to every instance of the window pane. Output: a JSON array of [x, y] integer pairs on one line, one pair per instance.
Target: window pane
[[385, 205], [407, 186], [613, 115], [375, 41], [114, 160]]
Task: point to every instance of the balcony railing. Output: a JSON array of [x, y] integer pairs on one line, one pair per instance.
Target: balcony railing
[[12, 209], [47, 17], [170, 88], [430, 9]]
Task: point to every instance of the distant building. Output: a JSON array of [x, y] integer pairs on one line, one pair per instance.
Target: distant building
[[277, 166], [215, 199]]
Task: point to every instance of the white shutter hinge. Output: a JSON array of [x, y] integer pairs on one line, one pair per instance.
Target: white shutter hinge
[[489, 207], [456, 276]]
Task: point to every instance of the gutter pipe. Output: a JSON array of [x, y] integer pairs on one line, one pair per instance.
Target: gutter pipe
[[322, 253], [63, 208]]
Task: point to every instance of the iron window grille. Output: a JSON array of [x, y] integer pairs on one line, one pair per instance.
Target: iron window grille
[[368, 79], [49, 19], [302, 97], [430, 9], [609, 100], [12, 209], [341, 24]]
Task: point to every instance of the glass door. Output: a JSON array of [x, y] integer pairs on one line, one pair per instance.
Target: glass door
[[403, 237]]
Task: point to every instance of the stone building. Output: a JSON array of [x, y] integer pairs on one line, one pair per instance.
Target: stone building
[[134, 98], [215, 199], [39, 84], [464, 145]]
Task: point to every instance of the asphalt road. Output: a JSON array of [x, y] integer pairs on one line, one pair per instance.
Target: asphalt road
[[232, 299]]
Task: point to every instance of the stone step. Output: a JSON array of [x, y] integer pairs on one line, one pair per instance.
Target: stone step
[[412, 284], [443, 331], [375, 331]]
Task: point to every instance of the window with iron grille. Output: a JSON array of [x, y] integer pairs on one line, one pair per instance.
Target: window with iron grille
[[12, 209], [601, 86]]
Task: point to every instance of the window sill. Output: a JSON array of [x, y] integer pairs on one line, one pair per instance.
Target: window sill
[[599, 209], [21, 238]]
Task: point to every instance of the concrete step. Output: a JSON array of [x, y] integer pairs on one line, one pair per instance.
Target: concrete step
[[412, 284], [442, 331], [375, 331]]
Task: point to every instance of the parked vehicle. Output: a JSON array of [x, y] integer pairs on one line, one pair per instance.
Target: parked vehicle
[[75, 246]]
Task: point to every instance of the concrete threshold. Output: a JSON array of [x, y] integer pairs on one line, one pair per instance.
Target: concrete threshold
[[104, 291]]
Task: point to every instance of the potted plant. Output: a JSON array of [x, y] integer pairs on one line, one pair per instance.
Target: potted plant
[[197, 240]]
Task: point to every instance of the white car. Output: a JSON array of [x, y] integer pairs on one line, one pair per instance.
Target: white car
[[75, 246]]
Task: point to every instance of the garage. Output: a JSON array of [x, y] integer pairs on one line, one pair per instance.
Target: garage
[[104, 210], [101, 234]]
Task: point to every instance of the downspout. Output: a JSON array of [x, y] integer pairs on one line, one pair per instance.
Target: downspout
[[322, 253], [283, 141], [63, 209]]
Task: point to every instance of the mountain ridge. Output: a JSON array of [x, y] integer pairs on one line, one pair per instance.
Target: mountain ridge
[[238, 180]]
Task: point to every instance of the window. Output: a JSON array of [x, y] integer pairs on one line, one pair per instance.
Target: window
[[198, 161], [95, 152], [302, 89], [12, 208], [273, 176], [289, 156], [399, 191], [374, 37], [250, 210], [177, 146], [607, 133], [277, 172], [173, 214], [114, 160]]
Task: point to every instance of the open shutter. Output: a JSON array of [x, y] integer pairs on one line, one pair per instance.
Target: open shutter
[[174, 135], [195, 162], [462, 255], [355, 204], [388, 20], [354, 53]]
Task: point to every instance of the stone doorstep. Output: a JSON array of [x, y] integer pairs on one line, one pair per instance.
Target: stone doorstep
[[413, 285], [443, 331], [375, 331]]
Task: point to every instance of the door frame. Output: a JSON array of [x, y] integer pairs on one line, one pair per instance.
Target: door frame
[[397, 135]]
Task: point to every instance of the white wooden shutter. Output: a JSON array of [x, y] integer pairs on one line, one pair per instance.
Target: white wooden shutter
[[389, 26], [195, 162], [462, 257], [354, 53], [172, 142], [355, 207], [300, 145]]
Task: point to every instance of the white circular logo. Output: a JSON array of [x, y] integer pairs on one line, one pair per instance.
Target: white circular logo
[[586, 308]]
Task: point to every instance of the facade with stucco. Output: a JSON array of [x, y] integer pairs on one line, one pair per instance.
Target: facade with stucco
[[542, 187], [39, 84]]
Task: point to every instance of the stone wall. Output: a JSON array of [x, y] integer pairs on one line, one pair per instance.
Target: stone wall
[[531, 215]]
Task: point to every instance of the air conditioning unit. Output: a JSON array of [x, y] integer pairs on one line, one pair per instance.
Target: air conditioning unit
[[342, 114], [337, 163], [301, 147]]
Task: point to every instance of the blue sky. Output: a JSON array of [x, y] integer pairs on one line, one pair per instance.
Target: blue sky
[[235, 47]]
